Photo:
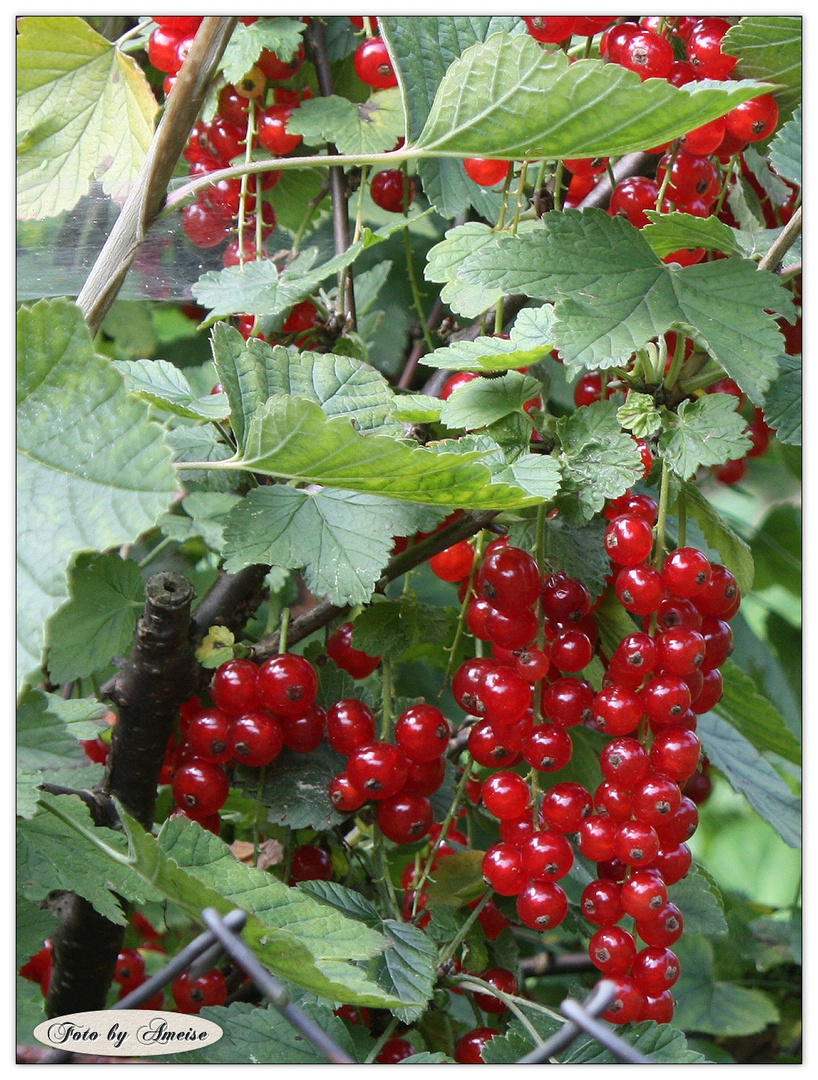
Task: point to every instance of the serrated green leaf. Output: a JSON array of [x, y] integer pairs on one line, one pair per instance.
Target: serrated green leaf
[[340, 539], [443, 263], [713, 1006], [509, 98], [295, 789], [708, 431], [256, 1035], [482, 402], [346, 900], [662, 1043], [98, 622], [528, 343], [417, 409], [368, 127], [33, 924], [613, 295], [73, 90], [599, 461], [769, 47], [457, 879], [734, 552], [293, 439], [165, 385], [785, 149], [394, 627], [252, 371], [93, 469], [537, 474], [755, 716], [54, 850], [204, 515], [203, 442], [671, 232], [751, 775], [422, 48], [700, 904], [407, 969], [282, 35], [259, 288], [783, 402], [639, 414]]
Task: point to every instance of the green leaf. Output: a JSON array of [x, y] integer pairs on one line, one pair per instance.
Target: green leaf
[[711, 1005], [407, 969], [708, 431], [734, 552], [341, 539], [662, 1043], [98, 622], [422, 48], [639, 414], [776, 546], [54, 850], [252, 371], [417, 409], [782, 405], [509, 98], [393, 628], [785, 149], [755, 716], [517, 1039], [482, 402], [163, 384], [94, 468], [599, 460], [74, 90], [527, 343], [367, 127], [537, 474], [204, 515], [443, 263], [700, 903], [282, 35], [613, 295], [769, 47], [255, 1035], [458, 879], [579, 550], [293, 439], [751, 775], [48, 727], [258, 288], [294, 789], [347, 901], [671, 232]]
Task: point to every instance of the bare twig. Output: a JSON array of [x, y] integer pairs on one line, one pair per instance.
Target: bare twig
[[148, 195]]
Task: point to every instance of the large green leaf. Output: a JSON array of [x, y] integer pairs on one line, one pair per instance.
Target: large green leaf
[[407, 970], [93, 469], [296, 937], [769, 47], [707, 431], [98, 622], [613, 295], [293, 439], [752, 775], [755, 716], [783, 409], [85, 113], [282, 35], [422, 48], [163, 384], [252, 371], [443, 263], [367, 127], [341, 539], [509, 98], [711, 1005], [528, 342]]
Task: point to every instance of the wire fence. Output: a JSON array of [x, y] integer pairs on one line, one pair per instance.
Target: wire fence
[[223, 936]]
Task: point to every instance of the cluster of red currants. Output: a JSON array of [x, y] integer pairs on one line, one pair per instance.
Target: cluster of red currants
[[532, 690]]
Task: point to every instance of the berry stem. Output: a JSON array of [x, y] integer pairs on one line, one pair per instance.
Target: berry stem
[[461, 618], [417, 302], [284, 627], [441, 836], [659, 547], [386, 699]]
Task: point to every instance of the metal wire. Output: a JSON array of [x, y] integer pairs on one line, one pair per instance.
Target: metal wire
[[223, 935]]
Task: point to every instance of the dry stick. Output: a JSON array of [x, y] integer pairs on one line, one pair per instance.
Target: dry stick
[[148, 690], [150, 188], [337, 180], [783, 242]]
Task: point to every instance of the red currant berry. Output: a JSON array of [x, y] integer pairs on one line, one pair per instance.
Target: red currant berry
[[470, 1047], [704, 50], [287, 684], [353, 661], [487, 172], [612, 949], [208, 735], [378, 769], [200, 787], [350, 724], [547, 855], [640, 589], [617, 710], [663, 928], [344, 796], [541, 905], [311, 863], [373, 65], [279, 70], [130, 968], [501, 979], [406, 817], [453, 563], [565, 806], [549, 28], [655, 970], [643, 894], [422, 732], [595, 838], [568, 701], [565, 599], [191, 996], [256, 738], [394, 1050], [505, 794], [502, 868], [636, 843], [628, 540], [629, 1003], [648, 54], [305, 733], [547, 747], [655, 800], [686, 572], [600, 902], [505, 695], [272, 130], [234, 688], [509, 579], [392, 190]]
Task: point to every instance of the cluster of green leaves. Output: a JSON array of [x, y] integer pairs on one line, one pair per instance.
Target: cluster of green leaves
[[307, 462]]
